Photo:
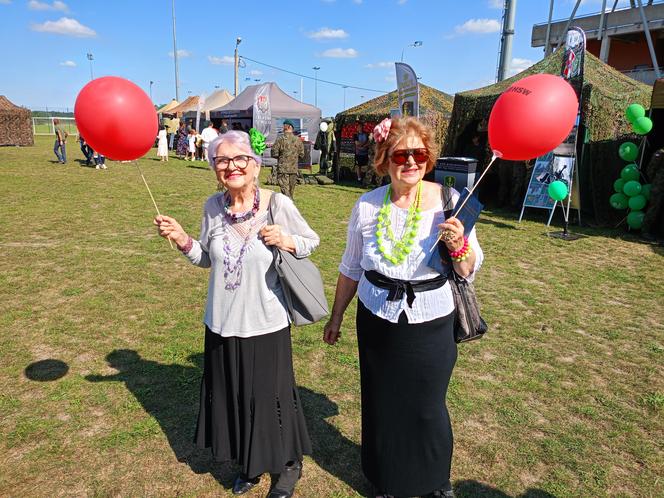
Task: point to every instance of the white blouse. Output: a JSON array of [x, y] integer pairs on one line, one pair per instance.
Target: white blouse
[[362, 255]]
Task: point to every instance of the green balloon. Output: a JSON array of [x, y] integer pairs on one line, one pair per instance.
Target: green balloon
[[642, 126], [630, 173], [645, 191], [618, 201], [628, 151], [618, 185], [634, 112], [637, 203], [632, 188], [635, 219], [557, 190]]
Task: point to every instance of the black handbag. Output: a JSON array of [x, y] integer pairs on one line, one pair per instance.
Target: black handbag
[[301, 282], [468, 323]]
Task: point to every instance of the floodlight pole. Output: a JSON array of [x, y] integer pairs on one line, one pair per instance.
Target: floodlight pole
[[90, 58], [238, 40], [651, 48], [175, 58], [316, 68]]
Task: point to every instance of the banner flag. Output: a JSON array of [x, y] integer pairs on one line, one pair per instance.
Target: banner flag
[[262, 110], [408, 89]]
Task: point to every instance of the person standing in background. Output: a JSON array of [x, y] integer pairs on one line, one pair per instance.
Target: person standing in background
[[162, 145], [288, 150], [208, 134], [361, 139], [59, 147]]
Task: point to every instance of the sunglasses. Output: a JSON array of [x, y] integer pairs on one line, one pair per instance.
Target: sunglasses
[[400, 157]]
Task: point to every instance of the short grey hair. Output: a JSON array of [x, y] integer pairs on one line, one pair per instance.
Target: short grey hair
[[235, 137]]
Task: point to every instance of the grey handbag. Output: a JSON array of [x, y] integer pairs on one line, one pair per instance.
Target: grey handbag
[[301, 282], [468, 324]]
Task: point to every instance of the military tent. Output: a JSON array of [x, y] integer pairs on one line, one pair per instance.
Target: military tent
[[606, 93], [15, 124]]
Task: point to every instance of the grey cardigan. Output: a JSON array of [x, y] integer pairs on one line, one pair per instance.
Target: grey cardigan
[[257, 306]]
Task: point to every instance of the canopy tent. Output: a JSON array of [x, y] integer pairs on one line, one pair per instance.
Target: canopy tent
[[15, 124], [282, 106], [188, 104], [435, 110], [606, 94], [166, 109], [218, 99]]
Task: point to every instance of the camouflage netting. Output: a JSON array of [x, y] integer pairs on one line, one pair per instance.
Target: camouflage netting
[[606, 95], [15, 124], [435, 110]]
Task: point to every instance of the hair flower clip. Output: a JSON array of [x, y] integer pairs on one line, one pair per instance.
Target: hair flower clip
[[257, 140], [382, 130]]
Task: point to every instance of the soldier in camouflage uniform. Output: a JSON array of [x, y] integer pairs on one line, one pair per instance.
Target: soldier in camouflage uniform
[[287, 149], [369, 175], [653, 221]]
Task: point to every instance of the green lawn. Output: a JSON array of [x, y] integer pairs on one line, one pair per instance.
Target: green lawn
[[564, 397]]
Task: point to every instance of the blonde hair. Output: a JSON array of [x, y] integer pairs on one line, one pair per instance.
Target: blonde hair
[[401, 128]]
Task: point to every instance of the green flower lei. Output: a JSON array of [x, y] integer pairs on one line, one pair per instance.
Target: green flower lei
[[257, 140], [400, 248]]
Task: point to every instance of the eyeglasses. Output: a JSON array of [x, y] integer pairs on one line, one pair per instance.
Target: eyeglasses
[[400, 157], [240, 162]]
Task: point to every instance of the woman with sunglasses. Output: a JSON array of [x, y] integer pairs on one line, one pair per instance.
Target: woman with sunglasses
[[405, 314], [250, 409]]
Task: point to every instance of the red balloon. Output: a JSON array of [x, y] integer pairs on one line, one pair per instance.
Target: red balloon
[[116, 118], [532, 117]]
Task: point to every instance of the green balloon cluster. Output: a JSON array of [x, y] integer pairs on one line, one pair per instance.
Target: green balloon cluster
[[629, 193], [641, 124]]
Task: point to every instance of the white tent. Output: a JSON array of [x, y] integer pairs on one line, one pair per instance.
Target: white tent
[[218, 99]]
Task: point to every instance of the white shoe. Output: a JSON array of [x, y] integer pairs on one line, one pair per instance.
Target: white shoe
[[97, 167], [103, 166]]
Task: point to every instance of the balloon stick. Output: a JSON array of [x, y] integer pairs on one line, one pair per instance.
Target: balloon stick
[[470, 192], [151, 197]]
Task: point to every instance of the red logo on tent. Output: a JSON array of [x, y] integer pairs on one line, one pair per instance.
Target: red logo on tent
[[569, 64]]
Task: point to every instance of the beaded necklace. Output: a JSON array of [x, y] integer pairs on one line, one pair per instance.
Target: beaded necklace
[[233, 269], [400, 248], [240, 217]]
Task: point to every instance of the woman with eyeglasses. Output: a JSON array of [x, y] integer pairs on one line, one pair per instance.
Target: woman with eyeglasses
[[405, 314], [250, 409]]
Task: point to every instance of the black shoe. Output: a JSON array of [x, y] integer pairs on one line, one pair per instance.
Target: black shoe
[[243, 484], [285, 485]]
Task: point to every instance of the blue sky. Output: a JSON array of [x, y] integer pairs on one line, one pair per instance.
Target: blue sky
[[354, 42]]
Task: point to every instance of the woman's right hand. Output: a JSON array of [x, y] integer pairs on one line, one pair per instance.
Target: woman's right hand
[[332, 331], [169, 228]]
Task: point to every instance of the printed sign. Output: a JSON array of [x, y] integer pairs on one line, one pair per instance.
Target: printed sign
[[408, 90], [262, 112]]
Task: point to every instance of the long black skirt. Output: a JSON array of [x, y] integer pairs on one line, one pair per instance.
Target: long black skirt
[[250, 410], [406, 432]]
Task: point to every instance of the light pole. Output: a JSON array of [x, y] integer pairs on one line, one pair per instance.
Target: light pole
[[90, 58], [238, 40], [316, 68], [345, 86], [175, 59], [151, 83], [416, 43]]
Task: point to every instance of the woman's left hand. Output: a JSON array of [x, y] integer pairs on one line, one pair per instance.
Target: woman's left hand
[[454, 241], [274, 236]]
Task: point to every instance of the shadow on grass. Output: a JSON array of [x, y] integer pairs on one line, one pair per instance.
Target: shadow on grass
[[332, 451], [193, 166], [472, 489], [46, 370], [169, 393]]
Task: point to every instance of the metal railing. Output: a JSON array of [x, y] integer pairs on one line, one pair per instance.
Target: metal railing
[[45, 126], [645, 75]]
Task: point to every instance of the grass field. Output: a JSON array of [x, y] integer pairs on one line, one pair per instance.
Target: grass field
[[564, 397]]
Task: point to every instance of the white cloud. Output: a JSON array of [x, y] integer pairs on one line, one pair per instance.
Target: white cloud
[[56, 5], [65, 26], [5, 2], [225, 60], [390, 78], [68, 64], [181, 53], [340, 53], [328, 34], [401, 2], [256, 72], [517, 65], [496, 4], [379, 65], [478, 26]]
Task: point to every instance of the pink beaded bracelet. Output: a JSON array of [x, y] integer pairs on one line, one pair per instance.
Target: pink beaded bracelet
[[460, 252], [187, 247]]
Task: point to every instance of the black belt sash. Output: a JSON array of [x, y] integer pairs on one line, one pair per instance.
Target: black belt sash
[[398, 288]]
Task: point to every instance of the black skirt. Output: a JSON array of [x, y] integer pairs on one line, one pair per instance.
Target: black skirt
[[250, 410], [406, 432]]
